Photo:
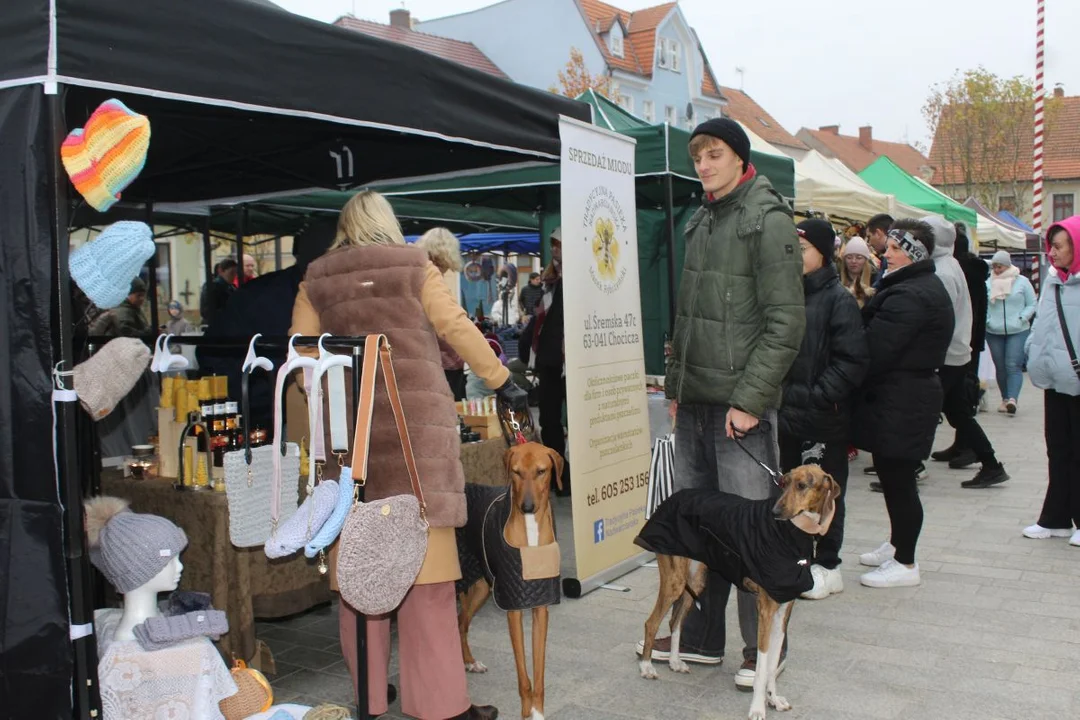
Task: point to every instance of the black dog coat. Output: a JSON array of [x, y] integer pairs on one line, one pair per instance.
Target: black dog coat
[[484, 553], [736, 537]]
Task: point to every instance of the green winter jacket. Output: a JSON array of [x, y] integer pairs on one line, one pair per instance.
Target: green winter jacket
[[740, 318]]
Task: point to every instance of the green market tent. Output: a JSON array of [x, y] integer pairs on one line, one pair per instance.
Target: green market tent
[[527, 197], [886, 176]]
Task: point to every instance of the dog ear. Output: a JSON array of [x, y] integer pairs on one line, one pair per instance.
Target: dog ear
[[557, 466], [508, 459], [828, 504]]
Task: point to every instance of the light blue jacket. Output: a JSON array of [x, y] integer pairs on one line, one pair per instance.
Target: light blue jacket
[[1048, 361], [1013, 314]]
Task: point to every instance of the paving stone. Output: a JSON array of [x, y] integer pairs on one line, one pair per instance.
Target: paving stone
[[993, 633]]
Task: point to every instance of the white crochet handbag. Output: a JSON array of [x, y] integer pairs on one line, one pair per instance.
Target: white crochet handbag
[[257, 479], [322, 497], [383, 543]]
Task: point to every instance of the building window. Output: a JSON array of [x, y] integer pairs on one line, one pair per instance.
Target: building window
[[670, 116], [1007, 203], [649, 111], [669, 54], [616, 44], [626, 102], [1063, 206]]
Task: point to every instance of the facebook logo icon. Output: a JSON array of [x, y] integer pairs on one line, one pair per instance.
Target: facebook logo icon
[[598, 531]]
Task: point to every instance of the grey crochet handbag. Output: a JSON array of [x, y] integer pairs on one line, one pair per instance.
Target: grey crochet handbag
[[383, 543]]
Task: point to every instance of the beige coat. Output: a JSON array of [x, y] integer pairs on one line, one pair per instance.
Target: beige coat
[[399, 292]]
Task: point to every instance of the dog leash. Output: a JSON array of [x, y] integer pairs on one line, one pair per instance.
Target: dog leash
[[773, 474]]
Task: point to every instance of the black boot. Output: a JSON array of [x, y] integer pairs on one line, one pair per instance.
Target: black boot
[[483, 712], [945, 455]]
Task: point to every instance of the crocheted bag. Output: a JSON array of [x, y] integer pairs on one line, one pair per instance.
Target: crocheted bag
[[251, 481], [254, 694], [383, 543]]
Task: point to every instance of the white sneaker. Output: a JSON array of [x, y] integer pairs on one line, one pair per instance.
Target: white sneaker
[[892, 574], [1075, 539], [879, 556], [826, 582], [1038, 532]]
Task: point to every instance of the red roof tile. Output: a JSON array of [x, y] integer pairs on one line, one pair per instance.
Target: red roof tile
[[1061, 150], [849, 151], [640, 43], [463, 53], [742, 107]]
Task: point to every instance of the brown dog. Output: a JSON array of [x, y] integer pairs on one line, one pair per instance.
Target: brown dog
[[808, 503], [530, 531]]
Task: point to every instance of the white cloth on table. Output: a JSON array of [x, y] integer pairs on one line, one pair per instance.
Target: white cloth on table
[[182, 682]]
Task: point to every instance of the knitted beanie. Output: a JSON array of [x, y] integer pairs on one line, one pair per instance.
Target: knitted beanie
[[104, 267], [730, 132], [1002, 257], [129, 548], [820, 234], [857, 246], [104, 379], [108, 154]]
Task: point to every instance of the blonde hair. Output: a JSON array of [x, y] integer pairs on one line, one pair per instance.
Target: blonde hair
[[860, 287], [443, 249], [701, 143], [368, 219]]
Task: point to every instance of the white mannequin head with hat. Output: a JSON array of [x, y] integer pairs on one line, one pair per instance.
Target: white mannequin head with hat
[[138, 554]]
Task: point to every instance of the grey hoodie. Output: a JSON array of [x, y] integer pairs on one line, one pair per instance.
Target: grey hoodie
[[952, 277]]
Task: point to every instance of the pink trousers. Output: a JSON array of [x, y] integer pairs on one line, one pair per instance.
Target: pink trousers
[[432, 685]]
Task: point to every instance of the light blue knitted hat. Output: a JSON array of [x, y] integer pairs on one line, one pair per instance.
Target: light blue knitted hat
[[104, 267]]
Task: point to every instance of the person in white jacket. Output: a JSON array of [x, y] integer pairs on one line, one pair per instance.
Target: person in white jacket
[[961, 395], [1054, 367]]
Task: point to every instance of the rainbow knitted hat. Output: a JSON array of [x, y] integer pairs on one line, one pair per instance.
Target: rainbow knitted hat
[[108, 154]]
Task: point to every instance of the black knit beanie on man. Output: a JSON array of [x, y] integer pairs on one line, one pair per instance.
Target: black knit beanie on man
[[730, 132], [820, 234]]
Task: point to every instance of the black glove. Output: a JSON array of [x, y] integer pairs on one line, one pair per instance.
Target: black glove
[[516, 398]]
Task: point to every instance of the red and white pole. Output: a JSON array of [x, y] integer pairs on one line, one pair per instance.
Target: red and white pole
[[1037, 175]]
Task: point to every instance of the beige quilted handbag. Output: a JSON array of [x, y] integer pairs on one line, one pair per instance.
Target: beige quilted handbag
[[383, 543]]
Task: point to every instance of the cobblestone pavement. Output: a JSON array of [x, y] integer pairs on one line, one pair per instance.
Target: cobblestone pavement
[[993, 633]]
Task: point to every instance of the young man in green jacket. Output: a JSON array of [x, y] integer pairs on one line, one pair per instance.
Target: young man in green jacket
[[739, 323]]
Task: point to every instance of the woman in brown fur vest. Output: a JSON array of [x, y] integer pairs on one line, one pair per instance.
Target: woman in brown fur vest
[[371, 282]]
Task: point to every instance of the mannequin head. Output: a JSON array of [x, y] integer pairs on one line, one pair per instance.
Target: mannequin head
[[165, 581]]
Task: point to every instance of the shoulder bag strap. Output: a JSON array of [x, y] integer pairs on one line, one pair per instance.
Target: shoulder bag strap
[[245, 410], [1065, 332], [377, 350]]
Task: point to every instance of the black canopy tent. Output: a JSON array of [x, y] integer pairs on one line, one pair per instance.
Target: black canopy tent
[[243, 99]]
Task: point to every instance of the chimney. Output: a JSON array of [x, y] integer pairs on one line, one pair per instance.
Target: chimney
[[866, 138], [1059, 90], [834, 129], [399, 18]]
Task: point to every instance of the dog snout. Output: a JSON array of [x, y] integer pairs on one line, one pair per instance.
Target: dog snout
[[778, 510], [528, 505]]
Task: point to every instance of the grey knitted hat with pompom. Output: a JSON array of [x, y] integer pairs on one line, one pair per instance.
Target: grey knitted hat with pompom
[[129, 548]]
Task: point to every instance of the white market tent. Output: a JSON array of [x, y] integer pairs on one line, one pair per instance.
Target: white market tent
[[826, 185]]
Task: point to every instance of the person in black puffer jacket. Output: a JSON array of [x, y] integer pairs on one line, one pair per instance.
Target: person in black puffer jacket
[[815, 416], [909, 325]]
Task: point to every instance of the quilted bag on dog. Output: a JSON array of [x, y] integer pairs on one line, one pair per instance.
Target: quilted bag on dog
[[383, 543], [255, 483]]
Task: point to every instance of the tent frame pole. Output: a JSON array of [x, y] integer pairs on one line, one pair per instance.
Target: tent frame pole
[[85, 696], [669, 211], [152, 275], [241, 231]]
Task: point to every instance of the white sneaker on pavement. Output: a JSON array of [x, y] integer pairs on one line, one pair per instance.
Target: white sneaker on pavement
[[1075, 539], [879, 556], [826, 582], [892, 574], [1038, 532]]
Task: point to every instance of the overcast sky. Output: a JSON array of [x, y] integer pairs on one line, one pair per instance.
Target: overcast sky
[[823, 62]]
